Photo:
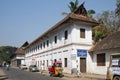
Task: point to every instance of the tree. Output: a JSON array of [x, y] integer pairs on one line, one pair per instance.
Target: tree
[[72, 6], [108, 24], [6, 52], [90, 13], [118, 12], [118, 7]]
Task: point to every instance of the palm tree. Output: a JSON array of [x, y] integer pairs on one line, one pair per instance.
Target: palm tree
[[72, 6], [90, 13]]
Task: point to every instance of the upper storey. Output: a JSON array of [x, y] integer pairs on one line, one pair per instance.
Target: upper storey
[[66, 31]]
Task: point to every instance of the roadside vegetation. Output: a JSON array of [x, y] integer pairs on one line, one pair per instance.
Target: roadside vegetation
[[6, 53]]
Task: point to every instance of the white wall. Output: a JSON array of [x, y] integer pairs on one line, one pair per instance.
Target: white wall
[[20, 57]]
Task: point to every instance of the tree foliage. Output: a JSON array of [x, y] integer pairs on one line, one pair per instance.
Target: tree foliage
[[118, 12], [118, 7], [109, 23], [6, 52], [90, 13], [73, 5]]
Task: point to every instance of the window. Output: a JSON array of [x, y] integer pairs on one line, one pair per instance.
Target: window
[[44, 44], [38, 47], [47, 43], [101, 59], [65, 60], [66, 35], [47, 63], [82, 33], [116, 58], [55, 39], [41, 45], [55, 60]]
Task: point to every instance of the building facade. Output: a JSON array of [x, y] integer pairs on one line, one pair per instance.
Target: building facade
[[68, 41]]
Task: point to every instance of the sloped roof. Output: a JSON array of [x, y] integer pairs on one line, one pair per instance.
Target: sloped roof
[[81, 10], [25, 44], [21, 51], [76, 15], [112, 41]]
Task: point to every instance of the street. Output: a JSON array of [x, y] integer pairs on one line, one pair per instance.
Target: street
[[17, 74]]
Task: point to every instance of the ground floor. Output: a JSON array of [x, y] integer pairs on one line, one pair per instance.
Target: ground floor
[[17, 62], [72, 57]]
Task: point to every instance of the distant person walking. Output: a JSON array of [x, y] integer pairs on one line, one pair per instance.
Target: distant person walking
[[42, 68], [7, 67]]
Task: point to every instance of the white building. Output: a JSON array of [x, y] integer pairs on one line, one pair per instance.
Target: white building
[[67, 41]]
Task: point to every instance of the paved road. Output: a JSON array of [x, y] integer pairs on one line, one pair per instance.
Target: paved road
[[17, 74]]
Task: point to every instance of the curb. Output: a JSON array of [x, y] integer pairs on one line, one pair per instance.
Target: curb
[[2, 78], [95, 78], [2, 75]]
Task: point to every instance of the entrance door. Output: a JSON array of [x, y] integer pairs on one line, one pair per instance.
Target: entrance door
[[83, 65]]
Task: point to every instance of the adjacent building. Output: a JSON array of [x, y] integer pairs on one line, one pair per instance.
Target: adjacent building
[[19, 57], [100, 53]]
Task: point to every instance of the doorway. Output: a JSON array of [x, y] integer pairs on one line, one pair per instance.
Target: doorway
[[82, 65]]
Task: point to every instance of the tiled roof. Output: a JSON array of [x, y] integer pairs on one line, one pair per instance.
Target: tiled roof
[[83, 18], [20, 51], [25, 44], [112, 41]]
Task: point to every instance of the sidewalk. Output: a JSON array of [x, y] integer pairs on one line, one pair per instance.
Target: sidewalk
[[82, 75], [93, 76], [2, 75]]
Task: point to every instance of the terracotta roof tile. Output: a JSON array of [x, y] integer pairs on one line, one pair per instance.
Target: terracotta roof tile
[[82, 18], [20, 51]]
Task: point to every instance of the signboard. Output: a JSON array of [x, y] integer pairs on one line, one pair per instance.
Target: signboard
[[81, 53], [115, 70], [33, 58], [115, 62]]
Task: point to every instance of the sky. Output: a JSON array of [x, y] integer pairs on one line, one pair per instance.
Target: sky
[[25, 20]]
